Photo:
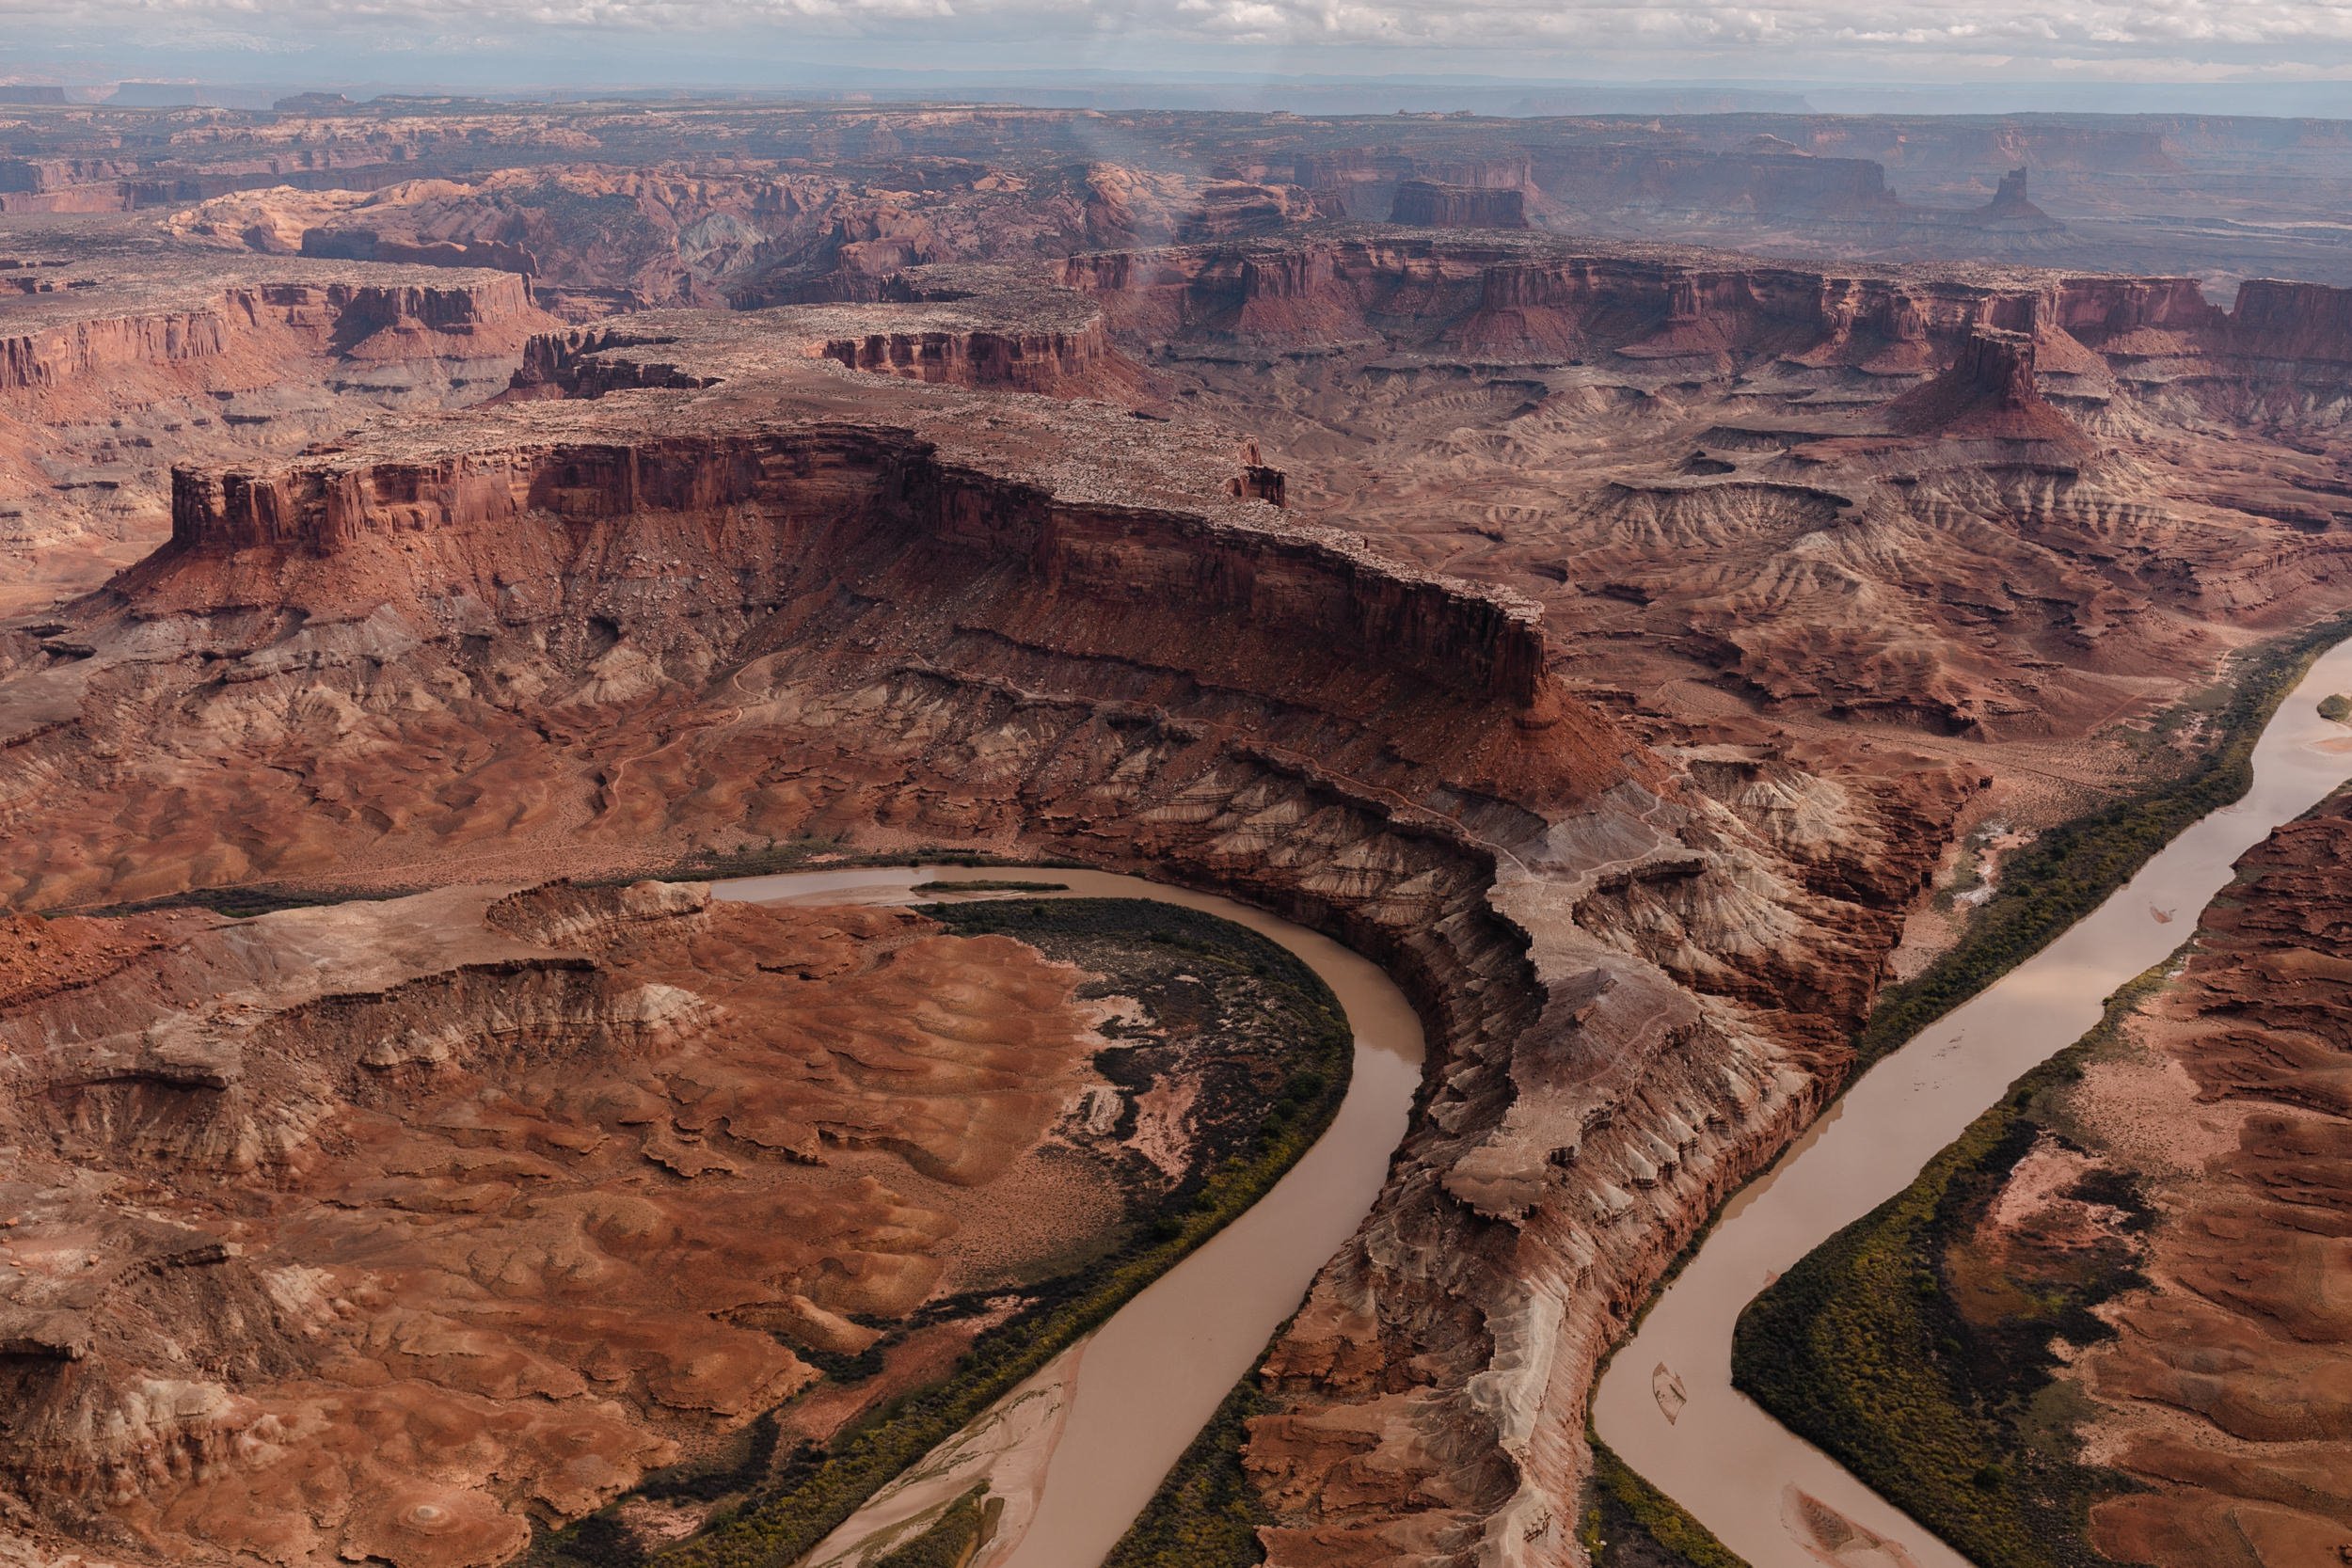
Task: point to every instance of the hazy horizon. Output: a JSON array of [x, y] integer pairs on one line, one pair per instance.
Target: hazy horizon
[[261, 82], [2275, 56]]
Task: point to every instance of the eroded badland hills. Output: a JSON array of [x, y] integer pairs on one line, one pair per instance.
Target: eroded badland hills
[[439, 518]]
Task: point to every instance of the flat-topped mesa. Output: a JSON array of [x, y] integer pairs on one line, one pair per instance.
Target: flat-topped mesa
[[981, 327], [478, 315], [83, 185], [1430, 205], [122, 361], [1054, 363], [1348, 166], [2276, 320], [367, 245], [1542, 296], [2106, 312], [1500, 291], [1129, 578], [579, 362], [489, 305], [38, 360], [2276, 331], [993, 334], [1769, 183]]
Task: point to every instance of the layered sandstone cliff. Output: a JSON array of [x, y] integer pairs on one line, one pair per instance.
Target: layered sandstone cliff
[[981, 329], [1551, 297], [1714, 469], [1543, 298], [985, 328], [1270, 586], [477, 318], [1426, 204], [113, 364], [809, 599]]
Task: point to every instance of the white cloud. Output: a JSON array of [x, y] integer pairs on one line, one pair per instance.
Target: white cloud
[[2145, 38]]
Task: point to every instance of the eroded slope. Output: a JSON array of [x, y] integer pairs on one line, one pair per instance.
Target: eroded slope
[[2102, 1325], [384, 1231], [118, 358], [2228, 1389], [750, 591], [1984, 513]]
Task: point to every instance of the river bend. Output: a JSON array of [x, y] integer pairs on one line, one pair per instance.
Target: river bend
[[1078, 1451], [1735, 1468]]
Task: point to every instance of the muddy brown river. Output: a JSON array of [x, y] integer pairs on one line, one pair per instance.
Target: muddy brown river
[[1771, 1497], [1077, 1452]]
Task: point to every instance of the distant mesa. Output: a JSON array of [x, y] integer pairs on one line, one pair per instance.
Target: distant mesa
[[314, 103], [1426, 204], [185, 95]]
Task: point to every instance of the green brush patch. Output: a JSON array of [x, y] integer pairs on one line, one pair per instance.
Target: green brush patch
[[2069, 871], [1952, 1412], [1206, 1514], [1273, 1014], [1627, 1523]]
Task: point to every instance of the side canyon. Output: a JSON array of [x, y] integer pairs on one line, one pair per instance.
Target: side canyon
[[1639, 651]]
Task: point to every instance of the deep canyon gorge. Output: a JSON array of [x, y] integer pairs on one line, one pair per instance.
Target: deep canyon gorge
[[436, 539]]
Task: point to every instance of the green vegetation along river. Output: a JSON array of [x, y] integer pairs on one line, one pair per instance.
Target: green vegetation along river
[[1076, 1451], [1667, 1405]]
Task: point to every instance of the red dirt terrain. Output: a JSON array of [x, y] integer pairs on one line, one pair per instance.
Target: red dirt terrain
[[2228, 1392], [2005, 510], [728, 589], [119, 355], [373, 1232], [1610, 638]]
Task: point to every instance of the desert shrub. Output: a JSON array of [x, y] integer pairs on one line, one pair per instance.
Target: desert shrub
[[1858, 1349], [1627, 1523], [1206, 1514], [780, 1522], [2071, 869], [952, 1537]]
